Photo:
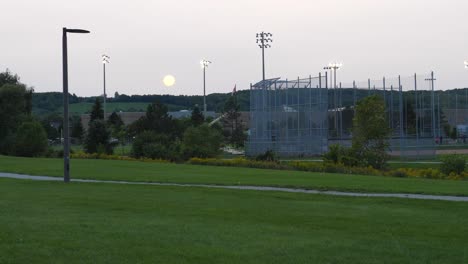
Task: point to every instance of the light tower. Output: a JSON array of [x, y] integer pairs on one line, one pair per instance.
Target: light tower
[[105, 60], [204, 64], [263, 40], [334, 67]]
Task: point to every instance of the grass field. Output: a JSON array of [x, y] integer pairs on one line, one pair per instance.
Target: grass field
[[49, 222], [181, 173]]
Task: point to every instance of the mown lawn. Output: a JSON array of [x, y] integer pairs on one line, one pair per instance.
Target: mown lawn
[[53, 222], [182, 173]]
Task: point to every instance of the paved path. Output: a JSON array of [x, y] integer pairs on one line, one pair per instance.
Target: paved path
[[255, 188]]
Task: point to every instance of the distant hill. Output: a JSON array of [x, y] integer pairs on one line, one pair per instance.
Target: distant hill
[[52, 102]]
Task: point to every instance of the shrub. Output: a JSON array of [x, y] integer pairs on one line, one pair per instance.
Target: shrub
[[269, 155], [334, 154], [98, 138], [150, 144], [453, 164], [31, 139], [201, 142]]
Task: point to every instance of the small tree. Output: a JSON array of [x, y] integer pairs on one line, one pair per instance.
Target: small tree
[[371, 132], [98, 138], [197, 117], [150, 144], [14, 109], [97, 113], [235, 132], [31, 139], [115, 121], [201, 142]]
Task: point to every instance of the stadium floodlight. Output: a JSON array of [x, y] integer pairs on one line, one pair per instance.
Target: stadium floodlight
[[333, 67], [66, 136], [105, 60], [204, 64], [263, 40]]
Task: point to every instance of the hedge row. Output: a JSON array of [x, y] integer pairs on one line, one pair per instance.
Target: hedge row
[[329, 168]]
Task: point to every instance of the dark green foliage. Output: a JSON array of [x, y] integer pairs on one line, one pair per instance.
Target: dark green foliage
[[269, 155], [454, 133], [340, 154], [31, 139], [197, 117], [97, 113], [334, 153], [77, 129], [371, 133], [453, 164], [238, 136], [7, 77], [15, 108], [235, 132], [202, 142], [98, 138], [115, 121], [158, 121], [52, 124], [51, 132], [156, 146]]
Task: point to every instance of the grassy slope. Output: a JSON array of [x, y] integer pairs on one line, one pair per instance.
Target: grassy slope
[[82, 108], [45, 222], [177, 173]]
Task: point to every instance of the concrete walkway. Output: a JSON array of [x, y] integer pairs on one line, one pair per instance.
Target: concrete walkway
[[254, 188]]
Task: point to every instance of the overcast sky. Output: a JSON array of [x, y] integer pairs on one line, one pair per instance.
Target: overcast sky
[[147, 39]]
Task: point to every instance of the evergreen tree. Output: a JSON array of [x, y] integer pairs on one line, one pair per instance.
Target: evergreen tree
[[97, 113], [98, 138], [115, 121], [235, 134], [197, 116]]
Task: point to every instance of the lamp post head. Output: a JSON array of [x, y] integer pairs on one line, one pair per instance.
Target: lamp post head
[[263, 39], [204, 63], [105, 59], [335, 65], [74, 30]]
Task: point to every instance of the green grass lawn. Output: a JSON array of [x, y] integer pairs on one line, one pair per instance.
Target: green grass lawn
[[53, 222], [182, 173]]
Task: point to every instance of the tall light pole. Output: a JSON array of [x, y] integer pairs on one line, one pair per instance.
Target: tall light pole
[[263, 40], [204, 64], [333, 67], [105, 60], [66, 137]]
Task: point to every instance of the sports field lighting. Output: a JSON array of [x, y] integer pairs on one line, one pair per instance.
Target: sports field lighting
[[105, 60], [263, 41], [204, 64], [66, 137], [333, 67]]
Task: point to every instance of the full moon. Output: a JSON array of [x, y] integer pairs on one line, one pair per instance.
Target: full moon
[[169, 80]]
